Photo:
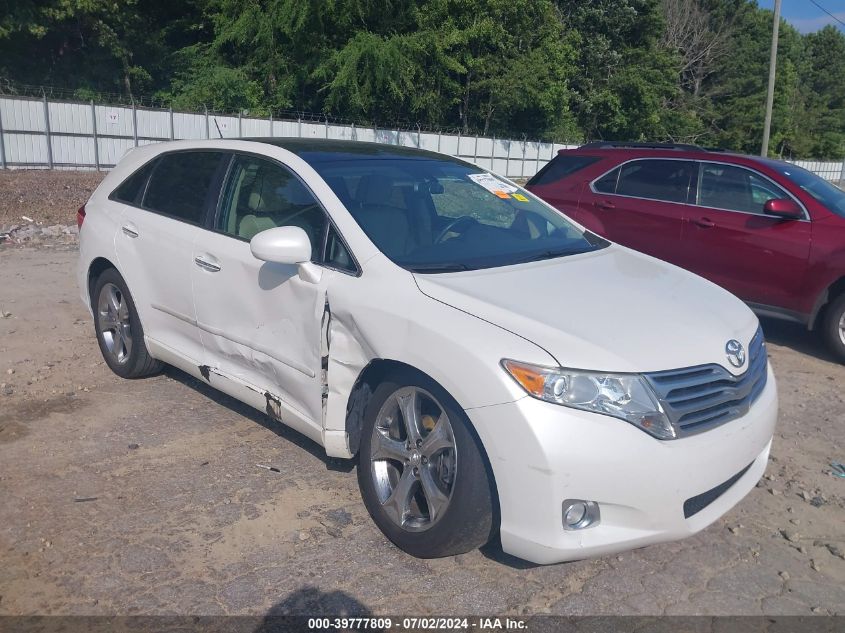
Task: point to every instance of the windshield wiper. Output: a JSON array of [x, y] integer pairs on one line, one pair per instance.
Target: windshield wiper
[[551, 254], [437, 267]]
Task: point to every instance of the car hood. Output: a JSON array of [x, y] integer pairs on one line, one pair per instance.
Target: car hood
[[609, 310]]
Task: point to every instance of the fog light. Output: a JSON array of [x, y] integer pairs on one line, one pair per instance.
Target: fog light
[[579, 514]]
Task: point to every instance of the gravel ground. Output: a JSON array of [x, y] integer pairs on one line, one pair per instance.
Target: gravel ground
[[143, 497]]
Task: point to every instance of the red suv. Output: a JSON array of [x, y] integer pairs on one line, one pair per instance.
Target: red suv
[[770, 232]]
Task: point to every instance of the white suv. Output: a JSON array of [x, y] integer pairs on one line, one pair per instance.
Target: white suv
[[494, 367]]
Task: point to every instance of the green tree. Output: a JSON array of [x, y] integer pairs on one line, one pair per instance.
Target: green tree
[[823, 90]]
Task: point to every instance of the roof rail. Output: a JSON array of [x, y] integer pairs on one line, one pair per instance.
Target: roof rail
[[638, 145]]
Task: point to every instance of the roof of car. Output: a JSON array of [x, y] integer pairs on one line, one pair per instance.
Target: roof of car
[[317, 150], [660, 149]]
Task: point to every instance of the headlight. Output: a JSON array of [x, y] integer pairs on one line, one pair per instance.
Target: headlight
[[623, 396]]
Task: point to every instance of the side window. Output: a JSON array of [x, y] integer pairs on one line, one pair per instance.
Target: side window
[[131, 189], [607, 183], [666, 180], [735, 188], [337, 255], [261, 194], [180, 184]]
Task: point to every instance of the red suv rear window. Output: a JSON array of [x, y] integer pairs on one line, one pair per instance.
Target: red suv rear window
[[561, 166]]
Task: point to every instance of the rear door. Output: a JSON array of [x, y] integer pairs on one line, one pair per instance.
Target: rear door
[[642, 204], [729, 240], [561, 183], [154, 245]]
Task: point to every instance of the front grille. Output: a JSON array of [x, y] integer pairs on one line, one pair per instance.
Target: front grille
[[696, 504], [699, 398]]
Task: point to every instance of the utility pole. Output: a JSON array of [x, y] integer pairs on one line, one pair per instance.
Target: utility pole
[[770, 96]]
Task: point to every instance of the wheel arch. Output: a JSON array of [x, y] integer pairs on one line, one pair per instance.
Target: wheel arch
[[96, 268], [827, 296]]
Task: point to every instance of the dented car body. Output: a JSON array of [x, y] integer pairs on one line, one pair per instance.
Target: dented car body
[[494, 367]]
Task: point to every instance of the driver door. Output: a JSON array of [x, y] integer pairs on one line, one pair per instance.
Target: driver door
[[260, 321]]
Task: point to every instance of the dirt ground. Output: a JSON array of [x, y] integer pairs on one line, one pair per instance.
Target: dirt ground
[[143, 497], [46, 201]]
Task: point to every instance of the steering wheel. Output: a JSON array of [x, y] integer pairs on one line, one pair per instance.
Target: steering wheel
[[452, 227]]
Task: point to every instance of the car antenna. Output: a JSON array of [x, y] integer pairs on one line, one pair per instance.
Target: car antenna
[[217, 125]]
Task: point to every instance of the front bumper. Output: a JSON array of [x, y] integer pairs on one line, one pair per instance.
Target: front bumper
[[543, 453]]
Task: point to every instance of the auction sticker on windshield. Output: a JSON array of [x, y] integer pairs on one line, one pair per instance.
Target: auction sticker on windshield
[[493, 184]]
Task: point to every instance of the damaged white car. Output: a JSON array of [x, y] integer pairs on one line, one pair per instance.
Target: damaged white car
[[495, 368]]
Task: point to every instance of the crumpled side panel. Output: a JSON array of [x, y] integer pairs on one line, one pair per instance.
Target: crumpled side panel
[[348, 353]]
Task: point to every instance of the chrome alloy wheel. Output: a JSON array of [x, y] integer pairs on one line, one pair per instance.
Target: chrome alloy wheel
[[113, 321], [413, 459], [842, 328]]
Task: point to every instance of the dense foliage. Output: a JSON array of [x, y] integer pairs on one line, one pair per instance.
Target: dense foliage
[[683, 70]]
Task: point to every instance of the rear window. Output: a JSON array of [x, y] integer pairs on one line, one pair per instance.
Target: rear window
[[131, 189], [666, 180], [562, 165], [180, 184]]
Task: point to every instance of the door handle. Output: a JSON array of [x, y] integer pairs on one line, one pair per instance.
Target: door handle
[[129, 230], [605, 204], [704, 223], [206, 263]]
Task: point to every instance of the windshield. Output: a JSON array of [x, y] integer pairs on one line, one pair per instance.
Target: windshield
[[431, 215], [825, 192]]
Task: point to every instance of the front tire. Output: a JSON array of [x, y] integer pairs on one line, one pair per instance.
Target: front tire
[[833, 327], [421, 471], [118, 328]]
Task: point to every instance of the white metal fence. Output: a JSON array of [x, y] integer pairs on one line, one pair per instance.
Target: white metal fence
[[39, 133], [42, 133]]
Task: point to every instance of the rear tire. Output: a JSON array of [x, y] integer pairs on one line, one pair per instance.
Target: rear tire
[[118, 328], [833, 327], [429, 491]]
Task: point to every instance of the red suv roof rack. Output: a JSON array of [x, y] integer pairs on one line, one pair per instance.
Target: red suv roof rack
[[681, 147], [639, 145]]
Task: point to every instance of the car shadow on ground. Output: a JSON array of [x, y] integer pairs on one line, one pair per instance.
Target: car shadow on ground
[[493, 551], [312, 602], [280, 429], [795, 336]]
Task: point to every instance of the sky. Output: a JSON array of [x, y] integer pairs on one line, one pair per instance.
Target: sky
[[807, 17]]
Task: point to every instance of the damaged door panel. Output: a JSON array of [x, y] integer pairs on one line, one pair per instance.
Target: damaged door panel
[[260, 325]]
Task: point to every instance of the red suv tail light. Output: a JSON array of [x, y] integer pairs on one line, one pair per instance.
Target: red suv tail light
[[80, 216]]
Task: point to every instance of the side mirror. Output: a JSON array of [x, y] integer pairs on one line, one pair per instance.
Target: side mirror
[[784, 208], [282, 245]]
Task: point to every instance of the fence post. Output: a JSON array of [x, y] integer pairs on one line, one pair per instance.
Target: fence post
[[134, 123], [271, 123], [240, 126], [419, 131], [207, 129], [439, 135], [522, 164], [47, 130], [326, 126], [493, 156], [537, 162], [508, 160], [841, 174], [2, 143], [299, 126], [172, 129], [96, 138]]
